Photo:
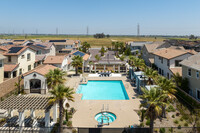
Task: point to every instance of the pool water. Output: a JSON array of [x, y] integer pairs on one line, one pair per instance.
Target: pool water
[[103, 90], [105, 117]]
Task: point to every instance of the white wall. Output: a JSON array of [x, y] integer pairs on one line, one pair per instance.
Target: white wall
[[164, 66]]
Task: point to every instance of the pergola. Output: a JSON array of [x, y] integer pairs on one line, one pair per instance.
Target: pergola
[[29, 102]]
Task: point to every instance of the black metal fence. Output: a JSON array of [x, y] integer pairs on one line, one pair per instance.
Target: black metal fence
[[100, 130]]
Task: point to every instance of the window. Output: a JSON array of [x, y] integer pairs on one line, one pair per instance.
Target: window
[[189, 72], [1, 63], [163, 72], [161, 58], [177, 63], [23, 56], [197, 74], [29, 67], [39, 52], [9, 58], [167, 62], [20, 71], [159, 70], [6, 74], [28, 56], [198, 94], [168, 75]]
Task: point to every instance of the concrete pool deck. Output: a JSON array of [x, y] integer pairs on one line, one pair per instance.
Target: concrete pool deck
[[125, 110]]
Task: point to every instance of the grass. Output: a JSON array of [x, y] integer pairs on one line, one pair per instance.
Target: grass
[[90, 39]]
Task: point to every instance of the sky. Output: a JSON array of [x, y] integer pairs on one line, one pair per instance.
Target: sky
[[115, 17]]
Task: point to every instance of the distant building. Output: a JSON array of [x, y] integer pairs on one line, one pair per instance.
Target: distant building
[[190, 70], [136, 46], [57, 61], [65, 46], [168, 61], [19, 60]]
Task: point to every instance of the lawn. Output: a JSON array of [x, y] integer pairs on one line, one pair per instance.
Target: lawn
[[90, 39]]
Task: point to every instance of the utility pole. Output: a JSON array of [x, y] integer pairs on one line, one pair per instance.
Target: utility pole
[[87, 31], [138, 29], [36, 31], [56, 31]]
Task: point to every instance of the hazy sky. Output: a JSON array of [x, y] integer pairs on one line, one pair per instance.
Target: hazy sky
[[156, 17]]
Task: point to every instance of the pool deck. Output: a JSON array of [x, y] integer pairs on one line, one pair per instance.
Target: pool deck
[[125, 110]]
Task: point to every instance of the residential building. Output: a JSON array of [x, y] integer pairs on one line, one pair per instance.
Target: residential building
[[19, 60], [42, 51], [19, 42], [190, 70], [65, 46], [136, 46], [167, 60], [58, 61], [85, 57], [2, 68], [35, 80], [147, 53]]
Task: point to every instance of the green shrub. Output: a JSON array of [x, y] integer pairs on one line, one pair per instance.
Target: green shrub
[[181, 119], [171, 108], [69, 123], [173, 116], [74, 131], [148, 122], [179, 126], [162, 130], [64, 122], [186, 124], [176, 121], [141, 124]]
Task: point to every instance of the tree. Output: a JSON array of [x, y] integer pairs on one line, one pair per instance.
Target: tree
[[192, 37], [152, 101], [99, 35], [59, 93], [107, 35], [168, 88], [138, 63], [122, 58], [97, 57], [182, 83], [85, 47], [127, 52], [55, 77], [121, 45], [77, 62], [102, 51], [151, 74]]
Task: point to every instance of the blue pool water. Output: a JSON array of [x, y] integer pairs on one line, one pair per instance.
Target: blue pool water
[[105, 117], [103, 90]]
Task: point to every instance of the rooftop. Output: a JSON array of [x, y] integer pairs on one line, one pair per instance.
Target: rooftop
[[10, 67], [192, 62], [54, 59], [16, 50], [170, 53], [42, 69], [176, 70]]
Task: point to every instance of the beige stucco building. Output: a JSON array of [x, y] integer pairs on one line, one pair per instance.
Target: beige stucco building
[[2, 68], [190, 70], [19, 60]]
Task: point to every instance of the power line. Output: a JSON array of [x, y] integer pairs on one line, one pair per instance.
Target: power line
[[56, 31], [138, 29], [87, 31]]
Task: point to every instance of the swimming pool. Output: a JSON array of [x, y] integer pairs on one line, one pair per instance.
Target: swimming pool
[[103, 90]]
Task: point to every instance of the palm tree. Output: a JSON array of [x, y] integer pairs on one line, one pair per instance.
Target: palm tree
[[59, 93], [139, 63], [168, 88], [151, 74], [55, 77], [97, 57], [77, 62], [152, 102], [102, 51], [122, 57], [85, 47]]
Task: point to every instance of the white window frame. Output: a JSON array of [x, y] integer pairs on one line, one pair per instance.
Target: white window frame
[[196, 94], [197, 73]]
